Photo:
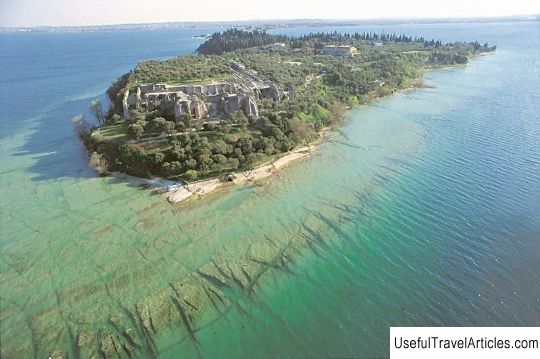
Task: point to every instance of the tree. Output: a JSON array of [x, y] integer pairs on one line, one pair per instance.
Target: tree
[[239, 118], [284, 145], [205, 163], [158, 158], [273, 131], [190, 175], [82, 128], [113, 119], [198, 123], [97, 111], [135, 131], [180, 127], [169, 127], [171, 168], [219, 147], [191, 163], [210, 127], [245, 145], [186, 120], [220, 160], [158, 124], [175, 168], [261, 143], [233, 163], [234, 39], [137, 115]]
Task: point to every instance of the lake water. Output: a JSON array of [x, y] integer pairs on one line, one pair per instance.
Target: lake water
[[424, 211]]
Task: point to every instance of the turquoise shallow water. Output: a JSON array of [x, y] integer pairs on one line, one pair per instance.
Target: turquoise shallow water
[[431, 218]]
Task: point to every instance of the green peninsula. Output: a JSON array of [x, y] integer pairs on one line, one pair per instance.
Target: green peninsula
[[248, 97]]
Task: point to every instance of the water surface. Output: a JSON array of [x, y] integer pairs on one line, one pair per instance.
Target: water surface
[[428, 217]]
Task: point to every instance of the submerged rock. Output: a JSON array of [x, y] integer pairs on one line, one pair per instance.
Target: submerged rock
[[158, 311], [112, 348], [48, 331], [15, 352], [212, 273], [252, 271], [58, 354], [190, 301], [238, 275], [263, 252], [122, 325], [131, 335], [86, 344]]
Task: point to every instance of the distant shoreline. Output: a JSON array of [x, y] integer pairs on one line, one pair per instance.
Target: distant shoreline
[[266, 24]]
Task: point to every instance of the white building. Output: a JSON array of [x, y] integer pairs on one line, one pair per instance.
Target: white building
[[340, 50]]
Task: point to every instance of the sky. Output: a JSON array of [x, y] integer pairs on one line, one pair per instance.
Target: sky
[[100, 12]]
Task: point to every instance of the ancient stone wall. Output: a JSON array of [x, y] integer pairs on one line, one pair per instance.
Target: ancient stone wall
[[223, 99]]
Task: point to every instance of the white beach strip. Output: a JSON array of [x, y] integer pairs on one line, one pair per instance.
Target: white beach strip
[[204, 187], [293, 156], [253, 175], [179, 195]]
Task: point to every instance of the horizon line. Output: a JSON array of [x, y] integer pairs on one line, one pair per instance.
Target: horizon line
[[535, 16]]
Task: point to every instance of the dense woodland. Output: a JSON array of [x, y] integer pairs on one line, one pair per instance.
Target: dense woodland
[[235, 39], [151, 144]]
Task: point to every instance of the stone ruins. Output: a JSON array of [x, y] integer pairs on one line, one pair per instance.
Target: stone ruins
[[208, 102]]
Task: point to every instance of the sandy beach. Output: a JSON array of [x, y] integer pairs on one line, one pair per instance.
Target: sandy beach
[[201, 188]]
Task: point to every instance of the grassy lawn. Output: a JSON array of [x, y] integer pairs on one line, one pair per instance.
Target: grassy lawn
[[115, 132], [189, 82], [152, 142], [154, 145], [203, 81]]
